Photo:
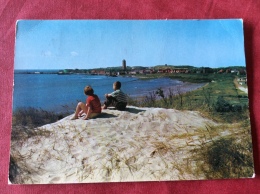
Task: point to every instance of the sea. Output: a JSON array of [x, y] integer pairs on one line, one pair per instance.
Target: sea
[[61, 93]]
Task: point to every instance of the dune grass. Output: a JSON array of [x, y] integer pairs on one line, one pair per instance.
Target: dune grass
[[227, 157], [219, 99], [26, 120]]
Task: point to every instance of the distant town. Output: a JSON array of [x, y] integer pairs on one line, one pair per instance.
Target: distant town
[[127, 70]]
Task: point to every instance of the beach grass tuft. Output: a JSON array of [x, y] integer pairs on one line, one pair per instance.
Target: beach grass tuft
[[26, 120], [225, 157]]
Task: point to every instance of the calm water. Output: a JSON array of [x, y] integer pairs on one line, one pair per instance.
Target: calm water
[[61, 92]]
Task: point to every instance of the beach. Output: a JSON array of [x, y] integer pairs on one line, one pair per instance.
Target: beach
[[139, 144]]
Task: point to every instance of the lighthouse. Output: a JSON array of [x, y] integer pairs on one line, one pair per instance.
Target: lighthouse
[[124, 64]]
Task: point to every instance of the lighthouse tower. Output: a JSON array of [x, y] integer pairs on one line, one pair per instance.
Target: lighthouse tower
[[124, 64]]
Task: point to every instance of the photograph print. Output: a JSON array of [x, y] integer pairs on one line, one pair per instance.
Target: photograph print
[[129, 100]]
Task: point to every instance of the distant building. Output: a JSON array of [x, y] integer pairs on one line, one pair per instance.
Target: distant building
[[242, 81], [221, 71], [235, 71], [124, 65], [179, 70], [133, 72], [101, 72]]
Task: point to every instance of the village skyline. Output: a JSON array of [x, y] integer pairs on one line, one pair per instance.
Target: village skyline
[[133, 70]]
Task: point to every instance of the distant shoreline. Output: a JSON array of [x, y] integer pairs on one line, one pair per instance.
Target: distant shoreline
[[138, 70], [188, 83], [181, 89]]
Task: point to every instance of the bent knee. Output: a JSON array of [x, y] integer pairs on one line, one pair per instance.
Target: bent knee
[[80, 104]]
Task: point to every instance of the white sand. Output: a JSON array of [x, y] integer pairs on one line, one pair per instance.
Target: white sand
[[141, 144]]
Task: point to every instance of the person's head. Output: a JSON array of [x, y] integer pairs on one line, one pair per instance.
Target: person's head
[[88, 90], [117, 85]]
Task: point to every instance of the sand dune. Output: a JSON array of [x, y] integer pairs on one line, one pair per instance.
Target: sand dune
[[140, 144]]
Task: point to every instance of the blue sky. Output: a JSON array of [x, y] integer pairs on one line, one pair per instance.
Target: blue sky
[[86, 44]]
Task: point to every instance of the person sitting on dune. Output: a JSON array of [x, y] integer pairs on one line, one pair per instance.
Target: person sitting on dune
[[116, 98], [92, 108]]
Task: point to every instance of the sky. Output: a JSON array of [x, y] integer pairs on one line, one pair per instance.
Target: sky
[[87, 44]]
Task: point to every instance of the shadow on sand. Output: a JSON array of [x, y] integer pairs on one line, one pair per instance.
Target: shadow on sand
[[133, 110], [106, 115], [128, 109]]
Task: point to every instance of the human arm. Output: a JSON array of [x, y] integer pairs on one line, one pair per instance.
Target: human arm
[[88, 110], [108, 95]]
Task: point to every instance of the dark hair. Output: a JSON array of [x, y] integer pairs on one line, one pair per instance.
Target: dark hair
[[117, 84], [88, 90]]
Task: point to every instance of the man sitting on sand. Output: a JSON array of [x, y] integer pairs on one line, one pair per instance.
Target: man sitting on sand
[[116, 98], [92, 108]]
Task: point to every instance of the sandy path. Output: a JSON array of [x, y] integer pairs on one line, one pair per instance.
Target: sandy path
[[243, 89]]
